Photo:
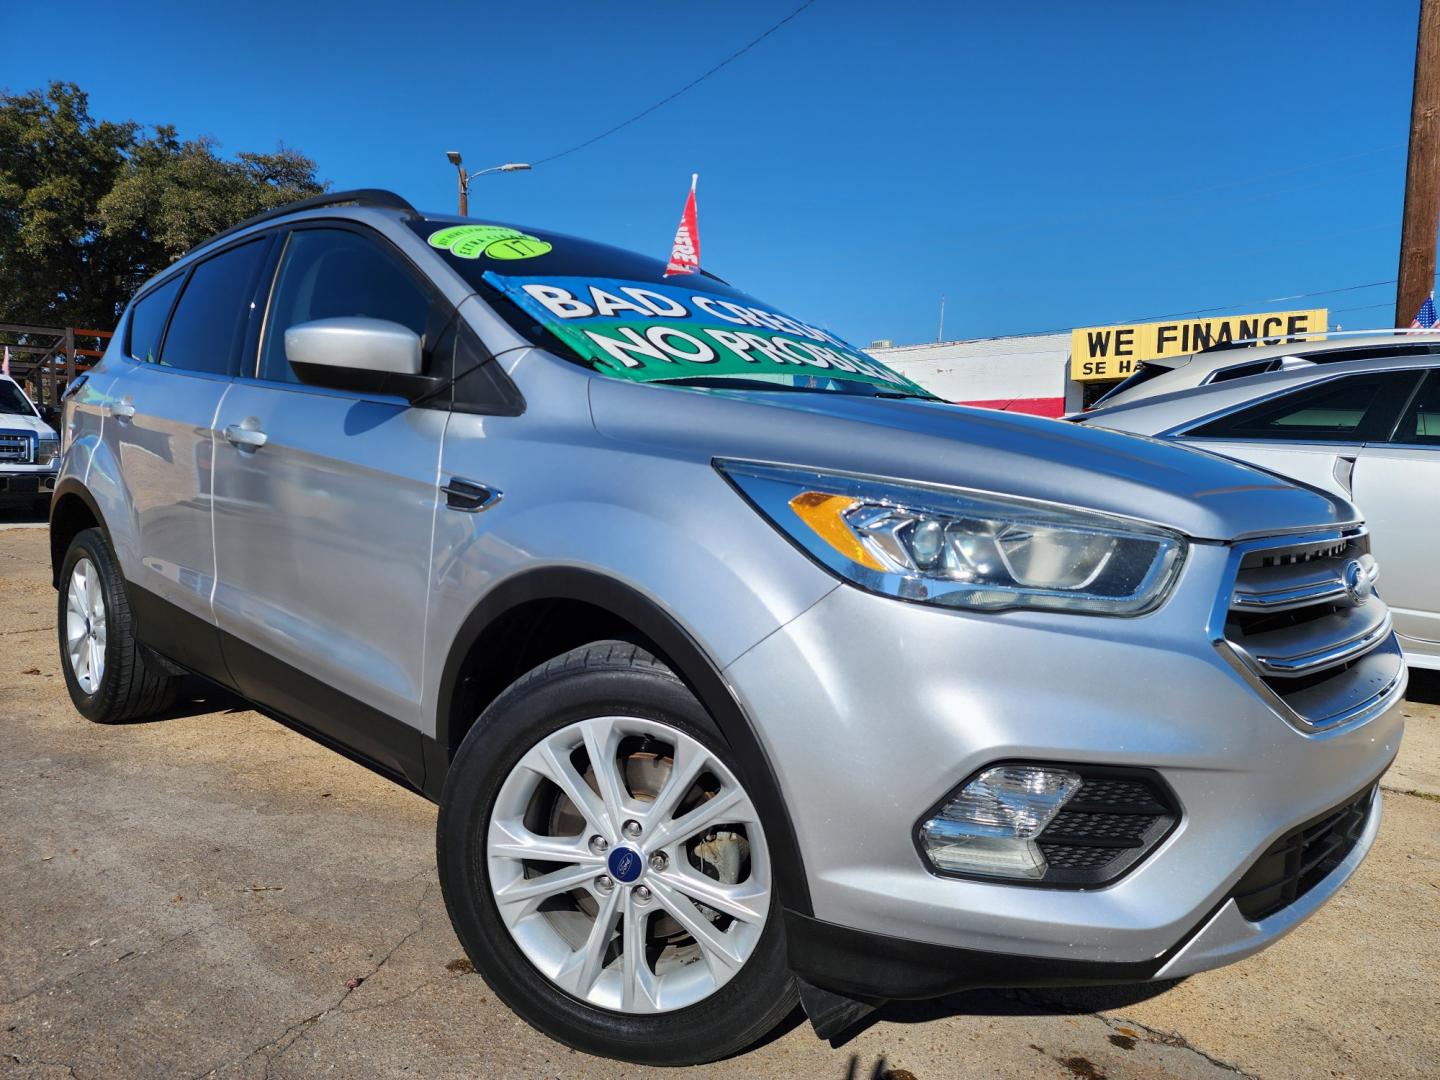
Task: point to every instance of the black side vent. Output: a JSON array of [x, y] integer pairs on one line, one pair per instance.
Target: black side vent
[[1107, 827]]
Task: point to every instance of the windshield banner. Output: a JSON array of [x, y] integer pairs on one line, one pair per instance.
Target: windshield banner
[[650, 332]]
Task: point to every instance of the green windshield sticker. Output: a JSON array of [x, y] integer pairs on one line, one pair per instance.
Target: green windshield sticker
[[651, 332], [493, 241]]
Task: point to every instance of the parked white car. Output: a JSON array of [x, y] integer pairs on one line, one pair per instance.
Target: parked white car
[[1240, 361], [1366, 429], [29, 447]]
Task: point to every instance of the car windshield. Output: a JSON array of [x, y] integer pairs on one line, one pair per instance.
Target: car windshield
[[12, 401], [620, 314]]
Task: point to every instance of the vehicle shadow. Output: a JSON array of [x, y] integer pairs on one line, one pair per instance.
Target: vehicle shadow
[[197, 697], [23, 512], [1424, 686], [1068, 1001]]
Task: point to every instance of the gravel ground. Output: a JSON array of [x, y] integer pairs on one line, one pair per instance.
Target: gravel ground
[[213, 895]]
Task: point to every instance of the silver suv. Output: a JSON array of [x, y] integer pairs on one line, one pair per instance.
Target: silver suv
[[741, 669]]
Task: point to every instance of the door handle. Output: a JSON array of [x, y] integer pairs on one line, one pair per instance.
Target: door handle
[[121, 410], [247, 438], [468, 497]]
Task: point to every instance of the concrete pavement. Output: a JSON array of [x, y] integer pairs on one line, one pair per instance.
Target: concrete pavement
[[213, 895]]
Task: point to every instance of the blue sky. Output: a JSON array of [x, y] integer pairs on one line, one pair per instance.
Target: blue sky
[[1042, 165]]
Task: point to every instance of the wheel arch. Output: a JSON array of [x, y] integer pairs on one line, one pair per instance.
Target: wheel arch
[[72, 510], [613, 608]]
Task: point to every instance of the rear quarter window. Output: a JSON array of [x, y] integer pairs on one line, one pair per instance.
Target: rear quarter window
[[147, 320], [1421, 423]]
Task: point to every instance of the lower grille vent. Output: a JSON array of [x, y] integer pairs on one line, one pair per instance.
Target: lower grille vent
[[1302, 858]]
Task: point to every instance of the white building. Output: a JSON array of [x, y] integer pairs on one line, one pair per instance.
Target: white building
[[1017, 374], [1052, 374]]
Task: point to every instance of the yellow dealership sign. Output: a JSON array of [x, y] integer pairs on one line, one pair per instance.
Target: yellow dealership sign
[[1114, 352]]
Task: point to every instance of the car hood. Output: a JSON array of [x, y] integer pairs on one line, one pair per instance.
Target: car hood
[[19, 422], [1202, 495]]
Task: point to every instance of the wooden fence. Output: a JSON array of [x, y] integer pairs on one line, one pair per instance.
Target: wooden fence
[[44, 359]]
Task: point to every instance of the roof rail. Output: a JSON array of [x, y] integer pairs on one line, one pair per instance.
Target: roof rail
[[378, 197], [1301, 337]]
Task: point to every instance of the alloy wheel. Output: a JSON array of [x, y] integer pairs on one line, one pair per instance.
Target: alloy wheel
[[85, 625], [628, 864]]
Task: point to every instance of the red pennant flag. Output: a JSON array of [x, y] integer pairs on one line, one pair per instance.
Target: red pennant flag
[[685, 252]]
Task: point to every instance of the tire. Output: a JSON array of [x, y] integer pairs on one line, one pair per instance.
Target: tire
[[687, 1003], [131, 683]]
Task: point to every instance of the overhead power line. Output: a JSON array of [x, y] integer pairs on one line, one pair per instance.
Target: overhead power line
[[688, 86], [1184, 314], [1267, 300]]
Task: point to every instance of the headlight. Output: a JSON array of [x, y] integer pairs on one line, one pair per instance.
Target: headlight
[[965, 549], [47, 450]]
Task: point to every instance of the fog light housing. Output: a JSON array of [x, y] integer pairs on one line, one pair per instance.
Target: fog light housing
[[990, 826]]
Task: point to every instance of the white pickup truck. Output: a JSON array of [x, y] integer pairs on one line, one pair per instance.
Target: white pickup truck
[[29, 448]]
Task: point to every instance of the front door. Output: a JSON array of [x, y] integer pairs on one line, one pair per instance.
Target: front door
[[325, 501]]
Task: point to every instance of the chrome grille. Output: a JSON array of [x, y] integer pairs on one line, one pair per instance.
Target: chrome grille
[[17, 447], [1304, 624]]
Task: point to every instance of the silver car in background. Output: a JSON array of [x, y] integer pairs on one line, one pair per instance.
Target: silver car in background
[[1244, 360], [1365, 429], [743, 671]]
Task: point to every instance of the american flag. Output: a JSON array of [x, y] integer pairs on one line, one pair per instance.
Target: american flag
[[1425, 318]]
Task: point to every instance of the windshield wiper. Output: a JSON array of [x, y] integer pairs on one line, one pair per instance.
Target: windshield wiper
[[722, 383]]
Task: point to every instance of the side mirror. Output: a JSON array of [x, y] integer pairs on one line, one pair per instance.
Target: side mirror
[[355, 353]]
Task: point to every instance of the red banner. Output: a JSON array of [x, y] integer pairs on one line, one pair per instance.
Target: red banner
[[685, 252]]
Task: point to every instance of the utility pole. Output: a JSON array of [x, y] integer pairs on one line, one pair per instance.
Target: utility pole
[[1419, 230], [941, 335]]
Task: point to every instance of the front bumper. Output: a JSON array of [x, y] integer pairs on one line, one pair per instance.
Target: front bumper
[[866, 965], [27, 481], [872, 709]]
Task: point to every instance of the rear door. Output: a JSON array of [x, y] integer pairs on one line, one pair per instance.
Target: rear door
[[1316, 433], [92, 412], [160, 416], [1397, 484], [323, 533]]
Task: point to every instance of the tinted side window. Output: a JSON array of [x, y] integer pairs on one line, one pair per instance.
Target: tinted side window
[[209, 324], [1421, 423], [147, 321], [327, 273], [1353, 409]]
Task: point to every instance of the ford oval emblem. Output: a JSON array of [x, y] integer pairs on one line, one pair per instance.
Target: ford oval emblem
[[625, 865], [1357, 582]]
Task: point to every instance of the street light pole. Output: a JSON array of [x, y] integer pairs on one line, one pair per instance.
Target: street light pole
[[465, 177], [454, 158]]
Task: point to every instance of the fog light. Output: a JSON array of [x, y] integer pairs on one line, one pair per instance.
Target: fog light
[[990, 825]]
